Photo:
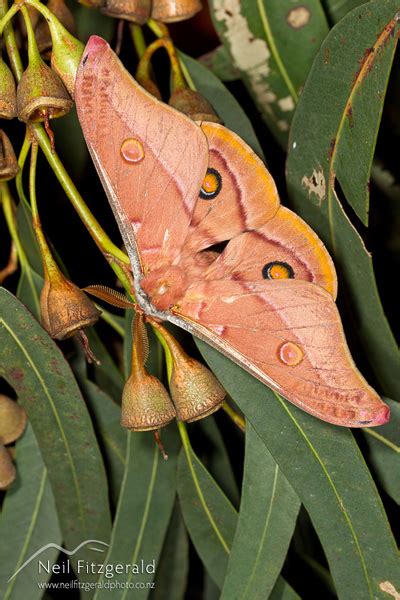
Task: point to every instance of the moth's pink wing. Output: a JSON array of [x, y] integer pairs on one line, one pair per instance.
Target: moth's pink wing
[[153, 198], [286, 239], [268, 326], [247, 195]]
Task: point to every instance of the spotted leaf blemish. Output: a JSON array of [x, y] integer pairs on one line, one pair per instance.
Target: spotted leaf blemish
[[315, 184]]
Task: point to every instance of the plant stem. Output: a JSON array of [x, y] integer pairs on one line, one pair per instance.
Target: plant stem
[[138, 39], [236, 418]]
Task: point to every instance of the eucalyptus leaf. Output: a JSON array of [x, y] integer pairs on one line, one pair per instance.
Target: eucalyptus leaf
[[325, 467], [173, 568], [112, 437], [267, 518], [337, 9], [215, 457], [209, 516], [333, 135], [384, 451], [144, 510], [272, 44], [28, 522], [34, 366]]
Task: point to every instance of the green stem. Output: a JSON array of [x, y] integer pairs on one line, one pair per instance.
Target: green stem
[[9, 214], [167, 352], [236, 418], [8, 16], [11, 45], [138, 39], [100, 237], [21, 163], [33, 52]]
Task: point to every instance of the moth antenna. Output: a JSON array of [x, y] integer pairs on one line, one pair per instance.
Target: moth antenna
[[140, 338], [109, 295]]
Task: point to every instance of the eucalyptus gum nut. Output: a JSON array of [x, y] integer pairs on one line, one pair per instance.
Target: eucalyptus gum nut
[[8, 92], [195, 391], [146, 404], [171, 11], [137, 11], [7, 469], [92, 3], [149, 86], [8, 161], [194, 105], [40, 91], [64, 308], [12, 420]]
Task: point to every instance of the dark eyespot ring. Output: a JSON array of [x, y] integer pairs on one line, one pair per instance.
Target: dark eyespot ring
[[277, 270], [212, 185]]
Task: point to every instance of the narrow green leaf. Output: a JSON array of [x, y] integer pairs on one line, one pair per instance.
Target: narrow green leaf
[[283, 591], [144, 510], [272, 44], [107, 375], [384, 451], [216, 459], [337, 9], [219, 61], [328, 140], [33, 365], [28, 238], [225, 105], [29, 287], [267, 518], [209, 516], [172, 572], [112, 437], [326, 469], [28, 521]]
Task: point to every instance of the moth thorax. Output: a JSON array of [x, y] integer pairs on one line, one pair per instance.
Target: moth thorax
[[165, 286]]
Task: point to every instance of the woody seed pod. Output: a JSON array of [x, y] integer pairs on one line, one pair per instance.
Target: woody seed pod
[[146, 403], [193, 105], [41, 94], [137, 11], [59, 11], [64, 308], [7, 469], [40, 91], [8, 161], [8, 98], [171, 11], [12, 420], [195, 391]]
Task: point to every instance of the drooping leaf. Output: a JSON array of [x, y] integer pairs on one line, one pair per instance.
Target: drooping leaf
[[337, 9], [144, 510], [209, 516], [216, 459], [173, 567], [333, 135], [112, 437], [267, 517], [34, 366], [28, 522], [219, 61], [272, 44], [346, 511], [384, 451]]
